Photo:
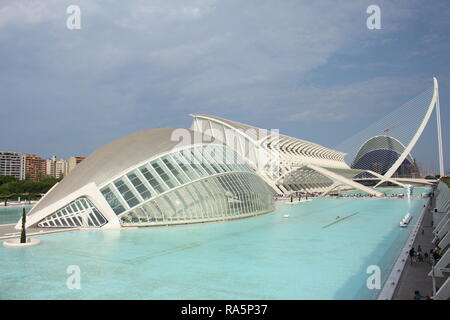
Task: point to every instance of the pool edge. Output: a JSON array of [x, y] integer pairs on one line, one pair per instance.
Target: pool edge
[[391, 283]]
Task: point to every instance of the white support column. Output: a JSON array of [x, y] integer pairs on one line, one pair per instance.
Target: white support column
[[331, 188], [439, 135], [444, 291], [385, 179], [445, 228], [338, 178], [441, 265], [445, 241], [443, 221]]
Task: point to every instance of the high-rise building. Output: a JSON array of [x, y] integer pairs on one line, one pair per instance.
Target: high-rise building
[[56, 168], [35, 167], [12, 164], [73, 162]]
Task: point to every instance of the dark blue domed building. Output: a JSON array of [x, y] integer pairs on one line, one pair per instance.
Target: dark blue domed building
[[379, 153]]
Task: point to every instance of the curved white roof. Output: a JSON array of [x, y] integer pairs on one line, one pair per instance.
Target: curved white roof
[[115, 157], [284, 143]]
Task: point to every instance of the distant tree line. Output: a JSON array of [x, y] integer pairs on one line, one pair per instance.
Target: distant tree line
[[446, 180], [12, 188], [436, 177]]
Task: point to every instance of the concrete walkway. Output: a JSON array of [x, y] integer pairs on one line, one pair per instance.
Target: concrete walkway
[[415, 276], [7, 231]]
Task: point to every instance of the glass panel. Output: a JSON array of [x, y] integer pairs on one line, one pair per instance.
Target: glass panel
[[154, 211], [220, 156], [70, 221], [190, 209], [193, 162], [212, 198], [140, 187], [99, 216], [165, 176], [141, 215], [178, 205], [200, 199], [208, 154], [154, 182], [179, 175], [188, 170], [74, 208], [83, 201], [199, 159], [112, 200], [126, 193]]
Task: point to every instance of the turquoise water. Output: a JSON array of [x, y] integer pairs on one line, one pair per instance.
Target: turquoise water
[[265, 257], [11, 214], [391, 191]]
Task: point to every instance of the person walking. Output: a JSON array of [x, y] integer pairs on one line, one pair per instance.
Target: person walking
[[417, 295], [412, 253]]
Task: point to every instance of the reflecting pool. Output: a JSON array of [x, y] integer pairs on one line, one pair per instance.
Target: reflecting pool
[[10, 215], [320, 251]]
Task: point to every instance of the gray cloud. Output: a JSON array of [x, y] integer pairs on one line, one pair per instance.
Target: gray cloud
[[143, 64]]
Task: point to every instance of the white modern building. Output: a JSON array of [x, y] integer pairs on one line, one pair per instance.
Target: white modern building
[[291, 165], [154, 177], [217, 170], [12, 164], [287, 164]]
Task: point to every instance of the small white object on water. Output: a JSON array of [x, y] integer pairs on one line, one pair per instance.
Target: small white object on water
[[286, 216], [406, 219]]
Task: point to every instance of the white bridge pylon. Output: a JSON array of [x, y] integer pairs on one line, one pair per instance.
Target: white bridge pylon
[[434, 104]]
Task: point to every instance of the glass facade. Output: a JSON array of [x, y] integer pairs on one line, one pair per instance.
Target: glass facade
[[198, 183], [220, 197], [80, 213]]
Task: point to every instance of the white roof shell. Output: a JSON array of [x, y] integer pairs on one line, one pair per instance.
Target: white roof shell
[[108, 163]]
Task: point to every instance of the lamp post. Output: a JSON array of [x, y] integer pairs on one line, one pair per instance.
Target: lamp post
[[23, 236]]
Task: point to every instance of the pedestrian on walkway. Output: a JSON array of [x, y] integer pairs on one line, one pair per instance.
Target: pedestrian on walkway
[[417, 295], [412, 253], [426, 258]]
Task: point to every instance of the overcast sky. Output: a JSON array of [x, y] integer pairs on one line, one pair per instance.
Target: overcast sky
[[311, 69]]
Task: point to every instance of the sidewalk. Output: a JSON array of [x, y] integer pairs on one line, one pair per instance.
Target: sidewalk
[[7, 231], [415, 277]]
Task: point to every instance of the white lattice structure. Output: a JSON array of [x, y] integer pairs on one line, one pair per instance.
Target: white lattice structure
[[287, 164]]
